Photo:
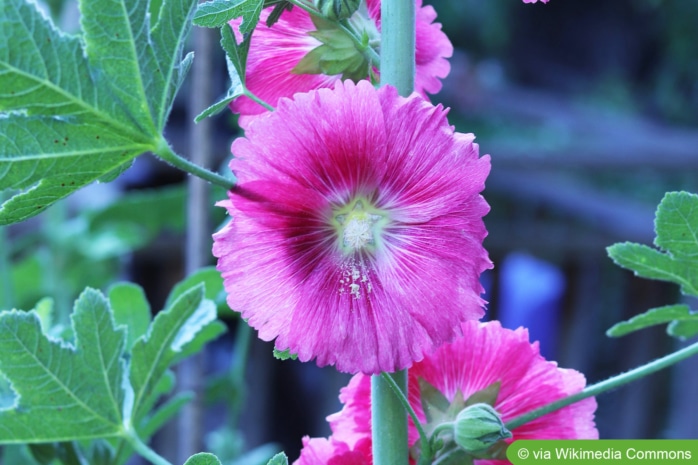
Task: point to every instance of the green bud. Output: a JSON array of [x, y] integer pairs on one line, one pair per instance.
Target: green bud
[[478, 427], [337, 10]]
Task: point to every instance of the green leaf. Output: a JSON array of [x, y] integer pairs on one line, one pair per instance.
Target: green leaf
[[676, 225], [141, 215], [236, 53], [64, 392], [209, 276], [655, 316], [257, 456], [203, 458], [684, 329], [164, 413], [76, 109], [284, 355], [43, 453], [278, 459], [279, 9], [131, 309], [236, 59], [172, 333], [217, 13]]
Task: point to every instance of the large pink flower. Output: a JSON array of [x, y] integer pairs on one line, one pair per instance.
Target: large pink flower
[[357, 228], [486, 353], [275, 51]]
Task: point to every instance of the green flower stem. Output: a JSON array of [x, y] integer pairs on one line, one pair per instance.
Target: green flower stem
[[249, 94], [398, 45], [165, 152], [611, 383], [368, 52], [143, 449], [389, 420], [424, 439], [448, 427]]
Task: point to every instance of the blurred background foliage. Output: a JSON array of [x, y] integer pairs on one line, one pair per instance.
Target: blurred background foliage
[[589, 110]]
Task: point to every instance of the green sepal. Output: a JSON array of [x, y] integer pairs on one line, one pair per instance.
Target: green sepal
[[284, 355], [485, 396], [434, 403], [310, 63]]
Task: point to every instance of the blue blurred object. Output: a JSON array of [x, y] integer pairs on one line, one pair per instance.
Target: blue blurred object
[[530, 293]]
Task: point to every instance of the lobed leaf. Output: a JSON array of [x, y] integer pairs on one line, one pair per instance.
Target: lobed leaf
[[64, 392], [236, 59], [653, 264], [656, 316], [209, 277], [74, 110], [217, 13], [676, 260], [175, 332], [677, 225], [131, 309]]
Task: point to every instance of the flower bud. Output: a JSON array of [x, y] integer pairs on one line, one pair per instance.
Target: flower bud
[[478, 427], [337, 10]]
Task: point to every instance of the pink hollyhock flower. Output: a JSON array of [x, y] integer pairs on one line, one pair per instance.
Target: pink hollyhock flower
[[275, 51], [321, 451], [534, 1], [486, 353], [357, 228]]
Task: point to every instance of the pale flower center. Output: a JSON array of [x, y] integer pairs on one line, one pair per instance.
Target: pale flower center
[[359, 226]]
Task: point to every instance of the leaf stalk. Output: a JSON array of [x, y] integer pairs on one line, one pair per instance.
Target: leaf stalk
[[165, 152], [607, 385], [146, 452]]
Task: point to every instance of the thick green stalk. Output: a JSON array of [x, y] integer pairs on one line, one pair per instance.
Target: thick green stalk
[[398, 45], [389, 419], [611, 383]]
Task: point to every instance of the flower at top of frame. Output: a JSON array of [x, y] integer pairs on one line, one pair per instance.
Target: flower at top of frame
[[534, 1], [277, 50], [356, 232], [486, 354]]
